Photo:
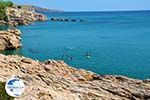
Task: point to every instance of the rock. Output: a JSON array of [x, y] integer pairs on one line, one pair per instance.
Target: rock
[[27, 60], [40, 17], [73, 20], [52, 19], [10, 39], [2, 22], [18, 16], [55, 80], [66, 20]]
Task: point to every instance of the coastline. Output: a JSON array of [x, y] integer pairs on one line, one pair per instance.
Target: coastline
[[11, 38], [56, 80]]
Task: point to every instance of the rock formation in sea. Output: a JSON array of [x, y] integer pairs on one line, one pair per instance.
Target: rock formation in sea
[[55, 80], [67, 20], [10, 39]]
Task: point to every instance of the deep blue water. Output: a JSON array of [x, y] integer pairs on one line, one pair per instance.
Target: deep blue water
[[117, 42]]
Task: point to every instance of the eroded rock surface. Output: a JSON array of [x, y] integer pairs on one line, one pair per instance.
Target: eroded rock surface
[[18, 16], [10, 39], [55, 80]]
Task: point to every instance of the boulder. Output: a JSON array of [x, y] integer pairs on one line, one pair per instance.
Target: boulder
[[40, 17]]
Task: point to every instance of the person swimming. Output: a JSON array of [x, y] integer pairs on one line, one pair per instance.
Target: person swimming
[[87, 55]]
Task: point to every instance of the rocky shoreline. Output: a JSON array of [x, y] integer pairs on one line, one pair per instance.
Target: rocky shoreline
[[55, 80], [11, 38]]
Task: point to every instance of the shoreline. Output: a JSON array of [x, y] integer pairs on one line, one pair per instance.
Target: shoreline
[[53, 80], [18, 33], [11, 38]]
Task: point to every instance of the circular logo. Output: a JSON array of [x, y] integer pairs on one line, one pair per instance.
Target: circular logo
[[14, 87]]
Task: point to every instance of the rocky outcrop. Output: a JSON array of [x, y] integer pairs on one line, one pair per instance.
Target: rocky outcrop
[[10, 39], [2, 22], [66, 20], [55, 80], [18, 16]]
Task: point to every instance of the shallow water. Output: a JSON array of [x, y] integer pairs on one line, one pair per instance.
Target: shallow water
[[106, 43]]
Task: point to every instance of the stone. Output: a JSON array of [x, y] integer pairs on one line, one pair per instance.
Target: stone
[[10, 39], [66, 20], [55, 80], [18, 16], [27, 60]]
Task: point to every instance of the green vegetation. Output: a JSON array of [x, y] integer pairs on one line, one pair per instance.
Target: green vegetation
[[3, 6], [3, 94]]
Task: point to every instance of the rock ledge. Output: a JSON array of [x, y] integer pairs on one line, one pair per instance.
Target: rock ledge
[[55, 80]]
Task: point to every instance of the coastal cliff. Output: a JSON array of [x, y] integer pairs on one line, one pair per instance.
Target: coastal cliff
[[19, 16], [11, 38], [55, 80]]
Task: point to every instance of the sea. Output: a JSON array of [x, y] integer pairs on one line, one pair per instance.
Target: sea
[[107, 43]]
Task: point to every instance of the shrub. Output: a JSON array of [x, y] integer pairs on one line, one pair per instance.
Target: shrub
[[3, 94], [9, 4], [3, 6]]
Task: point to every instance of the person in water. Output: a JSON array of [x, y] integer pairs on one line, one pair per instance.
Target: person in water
[[87, 55]]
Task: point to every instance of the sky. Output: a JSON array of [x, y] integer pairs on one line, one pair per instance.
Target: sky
[[89, 5]]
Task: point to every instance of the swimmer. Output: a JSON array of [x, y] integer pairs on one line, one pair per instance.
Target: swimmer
[[88, 55]]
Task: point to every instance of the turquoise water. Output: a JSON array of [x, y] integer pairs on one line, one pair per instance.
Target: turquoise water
[[106, 43]]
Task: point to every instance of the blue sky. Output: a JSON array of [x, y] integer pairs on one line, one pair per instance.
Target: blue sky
[[89, 5]]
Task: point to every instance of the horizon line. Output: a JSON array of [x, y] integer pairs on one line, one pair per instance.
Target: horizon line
[[105, 10], [121, 10]]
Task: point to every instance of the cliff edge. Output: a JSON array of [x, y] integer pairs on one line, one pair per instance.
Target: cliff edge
[[55, 80], [20, 16], [11, 38]]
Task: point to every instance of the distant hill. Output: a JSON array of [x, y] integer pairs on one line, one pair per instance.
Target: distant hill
[[38, 9]]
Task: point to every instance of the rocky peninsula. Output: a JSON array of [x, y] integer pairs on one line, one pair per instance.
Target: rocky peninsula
[[19, 16], [55, 80]]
